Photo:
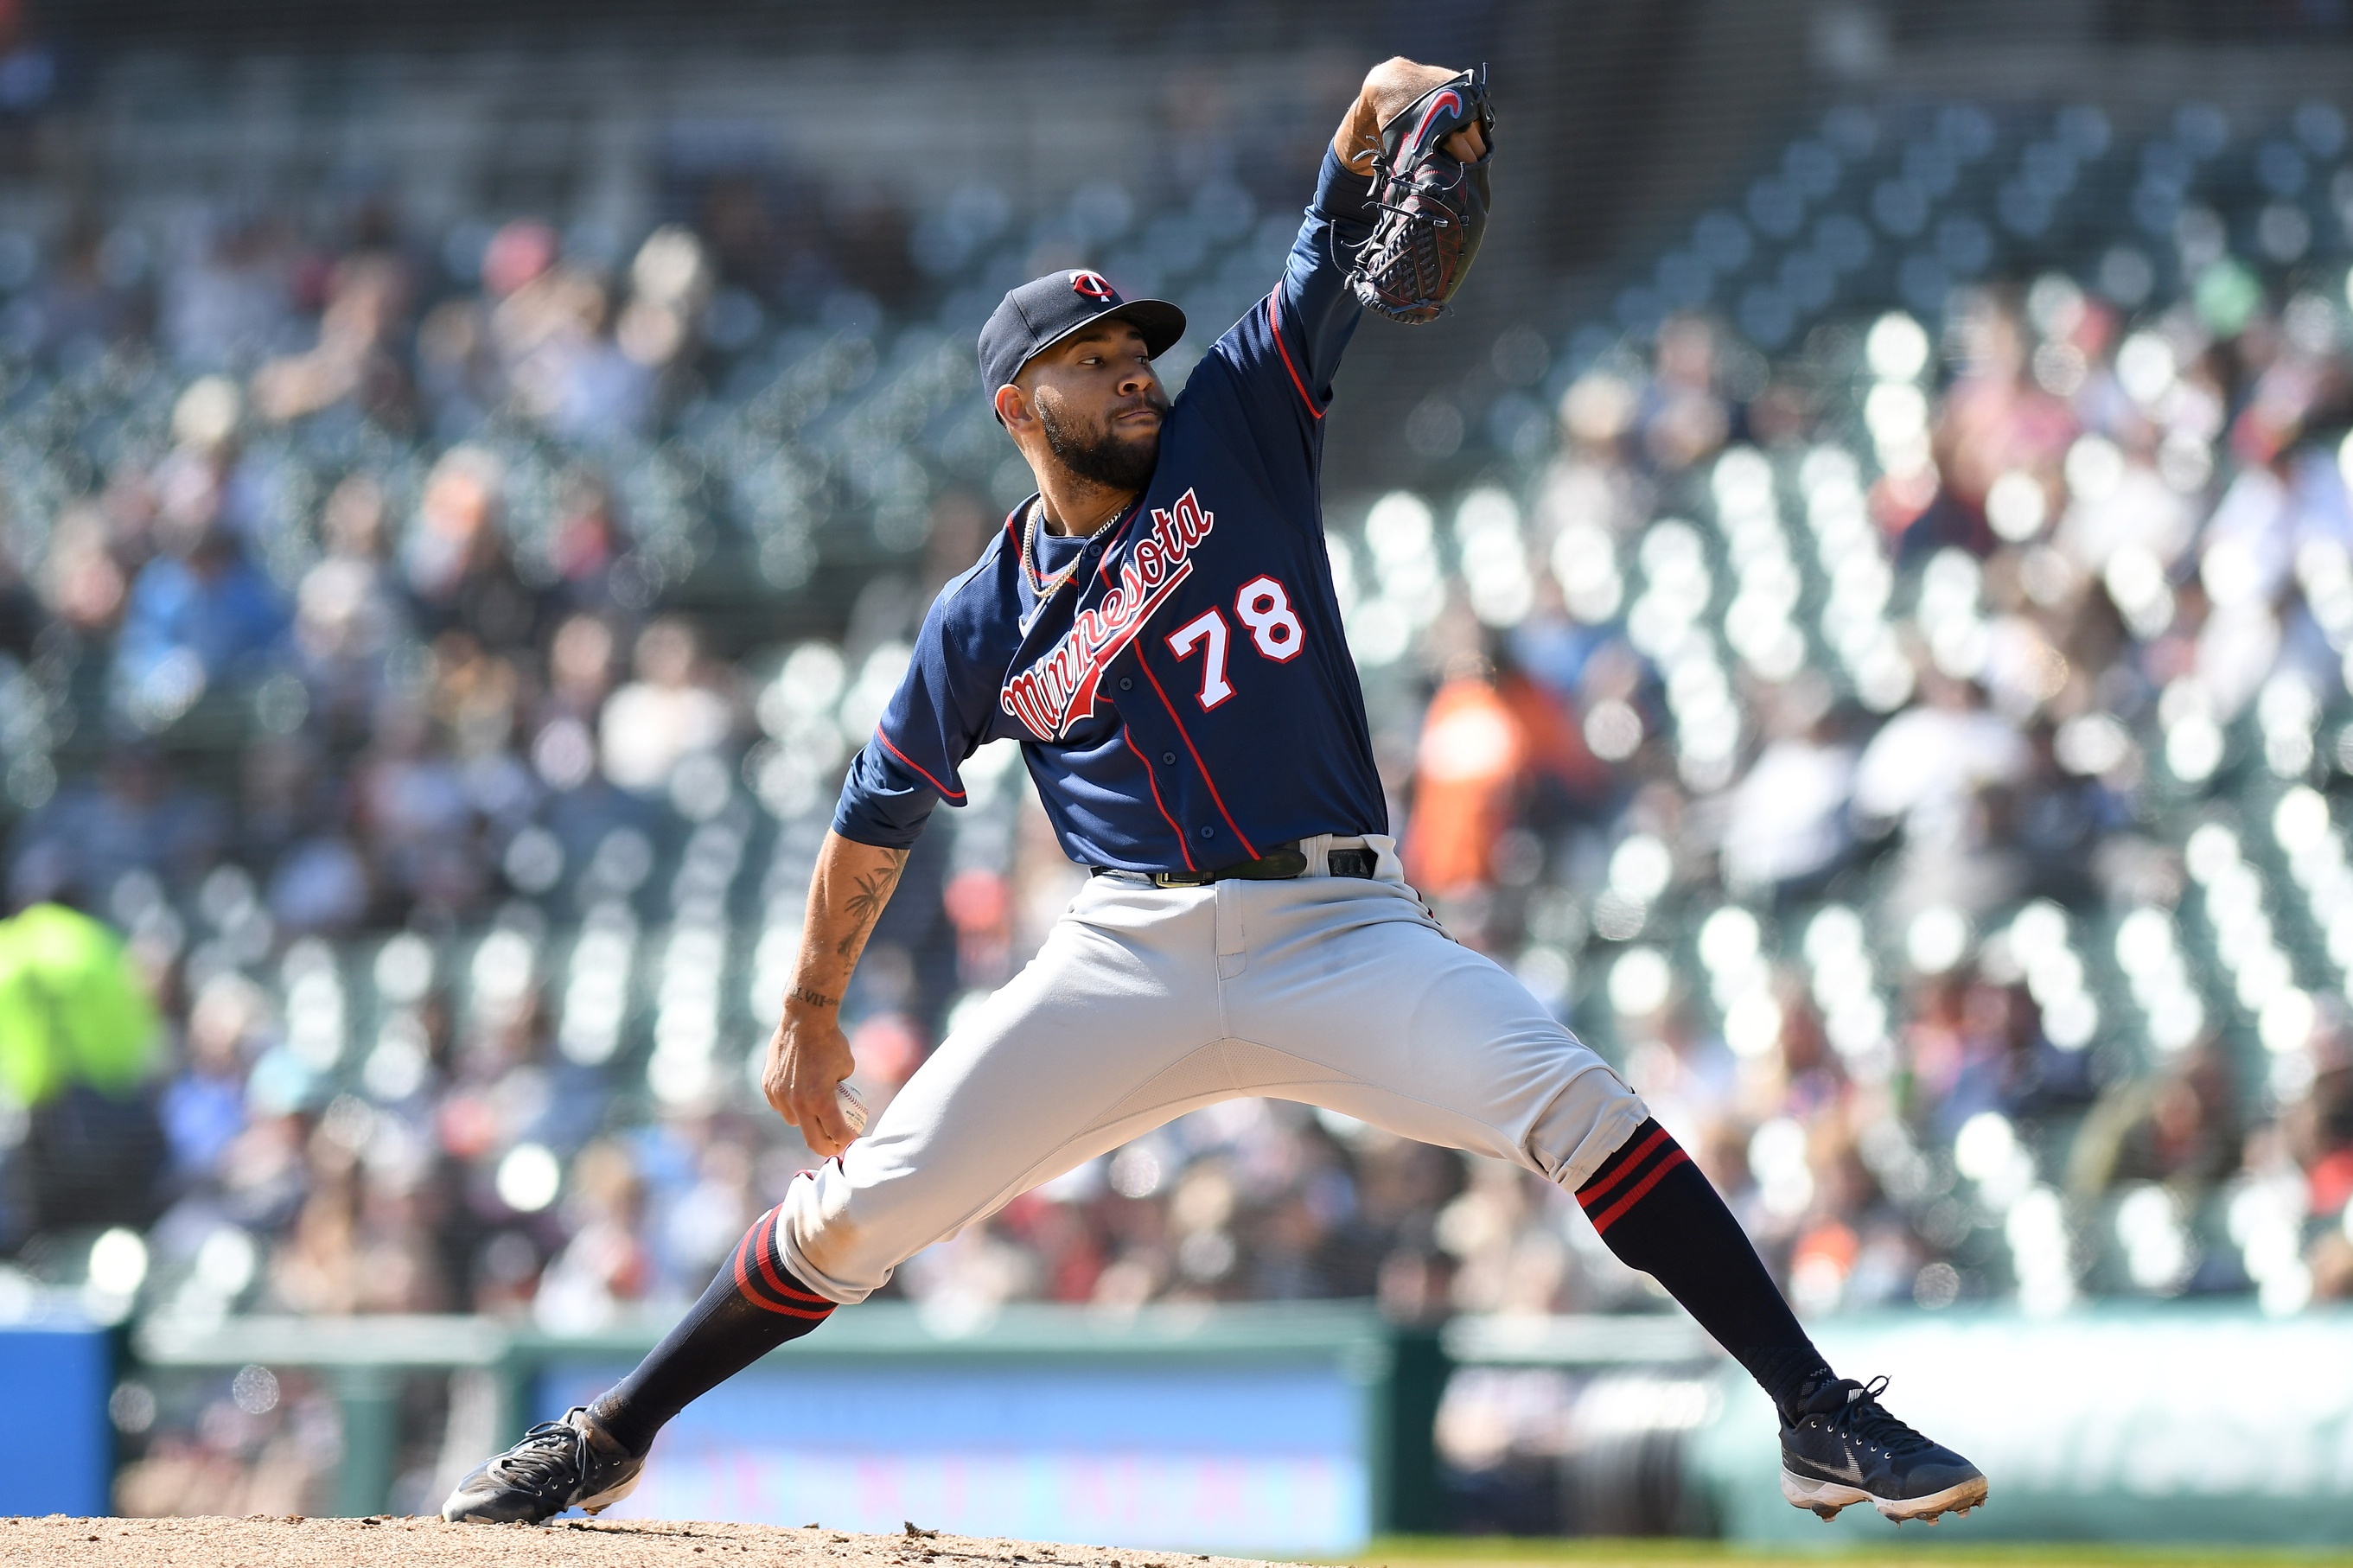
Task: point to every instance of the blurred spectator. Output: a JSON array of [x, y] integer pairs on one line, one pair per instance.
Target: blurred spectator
[[349, 614], [1995, 419], [230, 300], [318, 880], [72, 1010], [354, 359], [2180, 1127], [1789, 828], [1687, 1078], [203, 1107], [1682, 418], [82, 581], [1496, 751], [1470, 760], [606, 1265], [83, 305], [458, 374], [77, 1037], [199, 614], [417, 815], [671, 712], [566, 369], [132, 816], [1927, 769], [460, 570], [2319, 1130], [589, 541]]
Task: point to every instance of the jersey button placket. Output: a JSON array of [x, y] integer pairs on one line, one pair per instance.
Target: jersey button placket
[[1168, 759]]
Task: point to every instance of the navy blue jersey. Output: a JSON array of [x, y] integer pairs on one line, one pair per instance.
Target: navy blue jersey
[[1187, 700]]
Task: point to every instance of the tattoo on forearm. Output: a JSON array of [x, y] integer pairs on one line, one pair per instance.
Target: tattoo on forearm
[[864, 907], [814, 998]]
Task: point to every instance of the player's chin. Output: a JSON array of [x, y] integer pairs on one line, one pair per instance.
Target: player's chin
[[1138, 437]]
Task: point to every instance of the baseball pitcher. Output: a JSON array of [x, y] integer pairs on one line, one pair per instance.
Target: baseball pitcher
[[1156, 626]]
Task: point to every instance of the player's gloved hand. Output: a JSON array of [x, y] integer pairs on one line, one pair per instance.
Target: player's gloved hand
[[1391, 88], [808, 1057], [1424, 136]]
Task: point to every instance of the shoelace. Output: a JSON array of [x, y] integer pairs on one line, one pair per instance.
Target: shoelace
[[1863, 1416], [545, 1451]]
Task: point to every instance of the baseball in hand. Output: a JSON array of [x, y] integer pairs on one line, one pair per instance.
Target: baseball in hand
[[853, 1109]]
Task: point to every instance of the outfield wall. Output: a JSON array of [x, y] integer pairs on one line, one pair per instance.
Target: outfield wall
[[1306, 1428]]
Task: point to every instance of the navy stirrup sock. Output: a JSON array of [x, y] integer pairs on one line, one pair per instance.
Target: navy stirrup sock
[[753, 1306], [1650, 1206]]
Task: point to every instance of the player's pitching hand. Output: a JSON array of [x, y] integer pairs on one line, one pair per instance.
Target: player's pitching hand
[[808, 1057]]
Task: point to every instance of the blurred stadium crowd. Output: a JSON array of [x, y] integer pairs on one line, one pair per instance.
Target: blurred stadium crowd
[[1884, 688]]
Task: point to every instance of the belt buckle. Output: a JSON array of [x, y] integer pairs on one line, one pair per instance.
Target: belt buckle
[[1183, 878]]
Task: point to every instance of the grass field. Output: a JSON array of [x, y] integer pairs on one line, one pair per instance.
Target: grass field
[[1444, 1551]]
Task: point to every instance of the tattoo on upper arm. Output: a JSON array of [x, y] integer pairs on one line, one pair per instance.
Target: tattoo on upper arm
[[864, 907]]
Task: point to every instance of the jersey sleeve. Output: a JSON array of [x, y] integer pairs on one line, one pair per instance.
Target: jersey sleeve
[[940, 713], [1285, 352]]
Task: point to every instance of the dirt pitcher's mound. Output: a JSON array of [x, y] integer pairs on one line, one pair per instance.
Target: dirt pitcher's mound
[[260, 1542]]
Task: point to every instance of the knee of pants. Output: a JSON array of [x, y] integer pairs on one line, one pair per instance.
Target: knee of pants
[[1584, 1124], [836, 1252]]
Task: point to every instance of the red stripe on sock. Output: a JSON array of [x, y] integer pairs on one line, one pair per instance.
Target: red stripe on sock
[[751, 1292], [1599, 1188], [1608, 1216], [744, 1279], [768, 1271]]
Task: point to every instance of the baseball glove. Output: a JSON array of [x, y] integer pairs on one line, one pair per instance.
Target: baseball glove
[[1433, 208]]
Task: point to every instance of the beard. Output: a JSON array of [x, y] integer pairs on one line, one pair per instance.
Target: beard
[[1100, 456]]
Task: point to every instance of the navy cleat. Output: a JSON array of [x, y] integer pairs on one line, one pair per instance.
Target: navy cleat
[[571, 1463], [1845, 1447]]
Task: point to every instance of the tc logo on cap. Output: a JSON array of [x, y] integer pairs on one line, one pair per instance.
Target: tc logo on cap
[[1091, 285]]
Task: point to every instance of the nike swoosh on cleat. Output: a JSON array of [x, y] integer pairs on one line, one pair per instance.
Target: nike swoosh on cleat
[[1850, 1471]]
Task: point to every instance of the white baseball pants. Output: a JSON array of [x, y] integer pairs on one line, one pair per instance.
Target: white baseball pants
[[1146, 1002]]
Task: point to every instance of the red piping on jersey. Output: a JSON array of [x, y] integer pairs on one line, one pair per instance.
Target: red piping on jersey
[[1129, 743], [1608, 1216], [1144, 664], [952, 796], [1274, 324]]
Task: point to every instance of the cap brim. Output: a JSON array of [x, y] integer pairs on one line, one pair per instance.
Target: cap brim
[[1161, 323]]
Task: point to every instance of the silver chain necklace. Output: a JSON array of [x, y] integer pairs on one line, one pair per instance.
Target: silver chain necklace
[[1046, 587]]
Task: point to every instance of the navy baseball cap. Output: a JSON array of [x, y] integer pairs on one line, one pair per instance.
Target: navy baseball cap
[[1043, 311]]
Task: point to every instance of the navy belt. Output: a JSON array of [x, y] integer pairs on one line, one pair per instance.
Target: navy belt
[[1280, 864]]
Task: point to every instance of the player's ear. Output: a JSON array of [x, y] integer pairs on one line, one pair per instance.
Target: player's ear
[[1013, 407]]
